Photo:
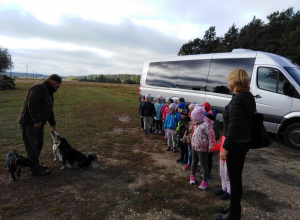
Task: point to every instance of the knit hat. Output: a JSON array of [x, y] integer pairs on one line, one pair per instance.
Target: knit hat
[[181, 99], [181, 105], [172, 106], [155, 99], [191, 107], [148, 96], [160, 97], [185, 111], [206, 106], [212, 114], [198, 113], [55, 78]]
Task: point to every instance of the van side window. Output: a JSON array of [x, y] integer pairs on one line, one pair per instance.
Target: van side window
[[273, 80], [193, 74], [220, 69], [163, 74]]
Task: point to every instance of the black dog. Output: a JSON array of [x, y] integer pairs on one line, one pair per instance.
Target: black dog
[[15, 162], [75, 158]]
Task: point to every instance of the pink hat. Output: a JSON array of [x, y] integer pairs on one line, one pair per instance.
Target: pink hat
[[198, 113]]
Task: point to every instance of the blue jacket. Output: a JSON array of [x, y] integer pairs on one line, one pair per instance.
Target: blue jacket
[[172, 120], [158, 106]]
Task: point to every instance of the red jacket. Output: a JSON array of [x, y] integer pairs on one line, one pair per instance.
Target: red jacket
[[219, 146]]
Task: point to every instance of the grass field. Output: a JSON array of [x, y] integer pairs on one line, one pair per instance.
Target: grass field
[[137, 178]]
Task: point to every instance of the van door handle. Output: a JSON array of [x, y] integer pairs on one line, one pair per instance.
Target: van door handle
[[257, 96]]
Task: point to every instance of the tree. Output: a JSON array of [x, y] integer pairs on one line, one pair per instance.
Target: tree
[[5, 60], [251, 34], [230, 39]]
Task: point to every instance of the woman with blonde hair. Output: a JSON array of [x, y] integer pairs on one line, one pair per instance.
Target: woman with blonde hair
[[237, 120]]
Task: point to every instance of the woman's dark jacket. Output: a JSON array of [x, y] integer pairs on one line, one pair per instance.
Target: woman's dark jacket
[[238, 118], [38, 105]]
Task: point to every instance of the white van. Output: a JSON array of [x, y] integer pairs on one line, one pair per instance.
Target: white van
[[275, 84]]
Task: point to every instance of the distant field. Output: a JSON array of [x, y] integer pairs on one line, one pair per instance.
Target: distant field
[[137, 178]]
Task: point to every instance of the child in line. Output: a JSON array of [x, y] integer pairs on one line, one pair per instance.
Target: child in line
[[180, 100], [180, 131], [154, 121], [188, 137], [170, 126], [158, 118], [147, 113], [203, 139], [140, 109], [210, 117], [165, 111], [225, 191]]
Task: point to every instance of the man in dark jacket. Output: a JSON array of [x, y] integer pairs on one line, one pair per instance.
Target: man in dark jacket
[[36, 111]]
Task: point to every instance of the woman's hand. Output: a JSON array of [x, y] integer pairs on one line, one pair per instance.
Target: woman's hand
[[224, 154]]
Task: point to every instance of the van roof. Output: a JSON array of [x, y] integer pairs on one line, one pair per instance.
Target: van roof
[[262, 58]]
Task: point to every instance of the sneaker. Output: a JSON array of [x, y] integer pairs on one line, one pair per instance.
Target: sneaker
[[145, 131], [203, 185], [174, 149], [168, 148], [156, 131], [179, 160], [192, 180], [183, 161], [187, 167], [160, 131], [151, 130], [225, 196], [219, 192]]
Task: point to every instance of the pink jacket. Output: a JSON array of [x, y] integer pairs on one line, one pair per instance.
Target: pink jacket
[[165, 111], [219, 146], [203, 137]]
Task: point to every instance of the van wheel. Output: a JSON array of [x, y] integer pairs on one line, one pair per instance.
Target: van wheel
[[292, 135]]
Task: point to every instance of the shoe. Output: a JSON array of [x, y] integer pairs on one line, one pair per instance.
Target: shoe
[[151, 130], [174, 149], [40, 172], [219, 192], [179, 160], [160, 131], [183, 161], [145, 131], [228, 216], [168, 148], [192, 180], [156, 131], [225, 196], [224, 210], [187, 167], [199, 164], [203, 185]]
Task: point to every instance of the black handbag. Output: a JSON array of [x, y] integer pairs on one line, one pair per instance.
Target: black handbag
[[260, 136]]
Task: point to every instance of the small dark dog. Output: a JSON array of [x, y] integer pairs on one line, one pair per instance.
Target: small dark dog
[[73, 157], [15, 162]]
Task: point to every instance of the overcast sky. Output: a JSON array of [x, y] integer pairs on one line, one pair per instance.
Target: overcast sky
[[82, 37]]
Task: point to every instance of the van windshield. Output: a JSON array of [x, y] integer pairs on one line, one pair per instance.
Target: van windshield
[[294, 73]]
